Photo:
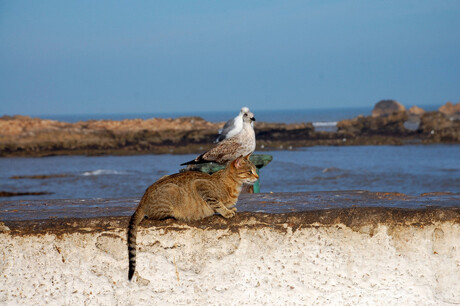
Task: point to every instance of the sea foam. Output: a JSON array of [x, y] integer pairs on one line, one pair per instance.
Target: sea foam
[[103, 172]]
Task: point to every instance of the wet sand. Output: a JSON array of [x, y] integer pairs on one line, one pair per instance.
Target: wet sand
[[273, 203]]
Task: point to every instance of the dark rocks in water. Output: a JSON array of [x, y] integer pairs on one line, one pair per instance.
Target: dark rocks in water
[[388, 118], [451, 110], [283, 132], [429, 127], [437, 127], [39, 177], [25, 136], [391, 125], [15, 194], [387, 107], [385, 125]]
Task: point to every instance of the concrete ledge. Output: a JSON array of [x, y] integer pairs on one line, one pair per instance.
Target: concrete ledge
[[353, 255]]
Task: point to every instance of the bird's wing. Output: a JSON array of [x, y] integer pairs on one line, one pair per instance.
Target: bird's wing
[[229, 125], [226, 149]]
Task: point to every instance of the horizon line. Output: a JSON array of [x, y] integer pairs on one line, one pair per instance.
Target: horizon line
[[430, 106]]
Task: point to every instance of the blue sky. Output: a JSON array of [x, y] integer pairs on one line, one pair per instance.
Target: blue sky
[[83, 57]]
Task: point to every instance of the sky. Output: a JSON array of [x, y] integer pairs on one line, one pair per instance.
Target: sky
[[115, 57]]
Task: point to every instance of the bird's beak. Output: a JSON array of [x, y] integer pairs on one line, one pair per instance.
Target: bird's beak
[[253, 119]]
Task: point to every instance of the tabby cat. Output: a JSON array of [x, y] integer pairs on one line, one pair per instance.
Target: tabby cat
[[191, 195]]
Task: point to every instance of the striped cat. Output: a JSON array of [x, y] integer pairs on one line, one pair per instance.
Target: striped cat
[[191, 195]]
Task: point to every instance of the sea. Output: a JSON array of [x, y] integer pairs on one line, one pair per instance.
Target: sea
[[408, 169], [316, 116]]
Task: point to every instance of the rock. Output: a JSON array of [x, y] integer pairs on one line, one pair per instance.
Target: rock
[[16, 194], [4, 228], [413, 121], [387, 107], [282, 131], [25, 136], [416, 111], [387, 118], [384, 125], [451, 110], [439, 128], [39, 177], [21, 135]]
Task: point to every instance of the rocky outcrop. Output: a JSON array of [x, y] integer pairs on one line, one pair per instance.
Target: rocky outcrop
[[390, 120], [387, 107], [451, 110], [437, 127], [35, 130], [21, 135], [284, 132], [413, 122], [392, 124], [416, 111], [33, 136]]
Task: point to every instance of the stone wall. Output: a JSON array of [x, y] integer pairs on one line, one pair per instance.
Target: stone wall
[[338, 256]]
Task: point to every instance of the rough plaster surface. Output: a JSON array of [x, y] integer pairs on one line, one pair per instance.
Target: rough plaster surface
[[181, 264]]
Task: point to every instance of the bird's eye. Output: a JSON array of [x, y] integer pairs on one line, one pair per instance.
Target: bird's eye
[[245, 115]]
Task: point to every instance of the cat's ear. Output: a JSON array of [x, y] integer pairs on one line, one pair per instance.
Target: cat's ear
[[237, 162], [247, 156]]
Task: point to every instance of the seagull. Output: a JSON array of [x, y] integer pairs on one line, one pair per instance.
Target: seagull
[[233, 126], [241, 144]]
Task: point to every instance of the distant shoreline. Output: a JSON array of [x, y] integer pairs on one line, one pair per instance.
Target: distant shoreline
[[270, 116], [34, 137]]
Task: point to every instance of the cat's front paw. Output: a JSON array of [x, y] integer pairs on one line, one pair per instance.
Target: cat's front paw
[[233, 209], [229, 213]]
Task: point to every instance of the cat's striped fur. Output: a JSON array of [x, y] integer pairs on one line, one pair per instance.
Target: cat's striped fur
[[191, 195]]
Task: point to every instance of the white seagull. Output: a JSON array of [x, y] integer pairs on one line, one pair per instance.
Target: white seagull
[[233, 126], [241, 144]]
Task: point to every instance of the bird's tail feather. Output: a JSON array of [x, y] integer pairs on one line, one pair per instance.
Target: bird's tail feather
[[198, 160], [192, 162]]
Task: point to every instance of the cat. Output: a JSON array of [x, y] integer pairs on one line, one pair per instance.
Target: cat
[[191, 195]]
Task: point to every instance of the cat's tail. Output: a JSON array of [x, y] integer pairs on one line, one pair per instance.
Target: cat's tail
[[137, 217]]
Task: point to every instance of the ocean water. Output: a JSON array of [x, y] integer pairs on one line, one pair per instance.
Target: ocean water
[[410, 169], [322, 119], [285, 116], [319, 116]]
